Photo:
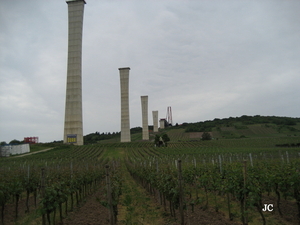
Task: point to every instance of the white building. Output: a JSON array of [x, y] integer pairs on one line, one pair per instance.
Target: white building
[[7, 150]]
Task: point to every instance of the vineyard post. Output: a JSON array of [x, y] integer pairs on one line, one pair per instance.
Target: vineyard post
[[43, 192], [180, 192], [220, 162], [287, 157], [250, 156], [245, 219], [159, 195], [27, 191], [109, 197], [229, 208], [28, 172], [71, 167]]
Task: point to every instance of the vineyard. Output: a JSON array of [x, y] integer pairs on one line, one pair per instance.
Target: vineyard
[[222, 181]]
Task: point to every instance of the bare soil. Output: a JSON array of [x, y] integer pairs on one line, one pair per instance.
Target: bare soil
[[93, 213], [10, 210], [288, 209], [208, 217], [90, 213]]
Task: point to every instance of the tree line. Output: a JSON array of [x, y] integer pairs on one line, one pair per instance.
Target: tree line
[[244, 120]]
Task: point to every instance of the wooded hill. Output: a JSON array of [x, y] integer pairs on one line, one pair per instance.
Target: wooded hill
[[232, 127]]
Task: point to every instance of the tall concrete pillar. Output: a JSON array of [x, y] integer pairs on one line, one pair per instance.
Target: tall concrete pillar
[[73, 128], [125, 122], [155, 121], [144, 100]]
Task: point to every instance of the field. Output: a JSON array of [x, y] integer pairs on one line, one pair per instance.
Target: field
[[221, 181]]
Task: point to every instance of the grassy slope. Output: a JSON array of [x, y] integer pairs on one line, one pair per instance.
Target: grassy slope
[[230, 128], [136, 205], [249, 131], [252, 131]]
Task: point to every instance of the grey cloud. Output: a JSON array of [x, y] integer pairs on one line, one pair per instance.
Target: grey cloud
[[206, 59]]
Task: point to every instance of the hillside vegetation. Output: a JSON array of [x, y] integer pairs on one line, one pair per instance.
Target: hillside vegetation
[[250, 162], [227, 128]]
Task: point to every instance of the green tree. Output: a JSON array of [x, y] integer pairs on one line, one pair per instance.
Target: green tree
[[159, 141], [156, 140], [206, 136], [166, 138], [15, 142]]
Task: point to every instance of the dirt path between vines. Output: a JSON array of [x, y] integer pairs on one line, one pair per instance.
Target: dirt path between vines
[[31, 153], [90, 213], [139, 207], [136, 206]]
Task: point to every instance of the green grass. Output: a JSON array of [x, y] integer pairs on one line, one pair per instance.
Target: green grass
[[136, 205], [112, 153], [39, 147]]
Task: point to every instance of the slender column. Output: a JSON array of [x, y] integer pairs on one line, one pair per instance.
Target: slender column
[[125, 121], [155, 121], [144, 100], [73, 128]]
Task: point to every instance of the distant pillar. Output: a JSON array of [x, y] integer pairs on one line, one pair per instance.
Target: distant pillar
[[73, 128], [144, 100], [125, 122], [155, 121]]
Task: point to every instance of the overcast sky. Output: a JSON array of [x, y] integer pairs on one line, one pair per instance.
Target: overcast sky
[[205, 59]]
